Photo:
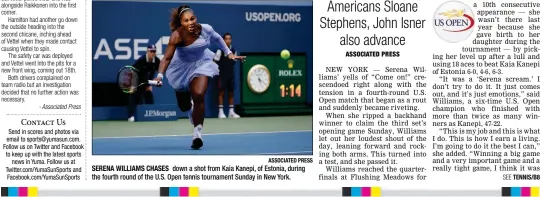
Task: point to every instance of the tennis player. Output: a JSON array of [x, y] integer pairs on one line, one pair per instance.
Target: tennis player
[[188, 64], [147, 66], [226, 77]]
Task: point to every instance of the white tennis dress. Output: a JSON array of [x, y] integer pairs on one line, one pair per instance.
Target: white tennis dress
[[195, 60]]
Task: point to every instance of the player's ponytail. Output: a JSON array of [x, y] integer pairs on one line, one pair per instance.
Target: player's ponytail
[[175, 20]]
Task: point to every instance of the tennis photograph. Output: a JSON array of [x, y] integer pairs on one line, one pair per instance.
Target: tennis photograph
[[203, 78]]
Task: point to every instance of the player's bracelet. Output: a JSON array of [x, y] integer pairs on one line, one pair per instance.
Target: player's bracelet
[[160, 75]]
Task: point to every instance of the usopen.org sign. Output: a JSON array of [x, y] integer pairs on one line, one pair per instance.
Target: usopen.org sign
[[273, 17], [127, 48]]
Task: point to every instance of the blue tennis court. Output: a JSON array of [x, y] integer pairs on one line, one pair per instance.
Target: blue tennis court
[[246, 143]]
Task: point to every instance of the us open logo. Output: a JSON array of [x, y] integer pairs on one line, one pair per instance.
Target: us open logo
[[454, 21]]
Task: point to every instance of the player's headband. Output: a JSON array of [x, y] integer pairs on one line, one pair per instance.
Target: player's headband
[[183, 10]]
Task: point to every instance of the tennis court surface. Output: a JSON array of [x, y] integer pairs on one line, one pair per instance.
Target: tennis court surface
[[287, 135]]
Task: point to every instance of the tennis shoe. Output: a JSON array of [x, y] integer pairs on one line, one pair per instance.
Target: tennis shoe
[[221, 115], [197, 142], [232, 114], [131, 119], [197, 132]]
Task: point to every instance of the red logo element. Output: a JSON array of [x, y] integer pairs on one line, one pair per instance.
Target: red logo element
[[471, 24]]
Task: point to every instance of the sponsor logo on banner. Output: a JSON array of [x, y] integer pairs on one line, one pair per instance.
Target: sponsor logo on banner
[[127, 48], [273, 17], [290, 72], [159, 113]]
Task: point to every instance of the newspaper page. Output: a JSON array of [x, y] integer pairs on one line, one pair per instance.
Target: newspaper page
[[269, 98]]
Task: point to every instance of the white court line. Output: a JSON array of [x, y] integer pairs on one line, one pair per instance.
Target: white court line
[[283, 153], [183, 135]]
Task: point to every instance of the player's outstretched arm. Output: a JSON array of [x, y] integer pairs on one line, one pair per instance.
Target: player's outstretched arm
[[215, 37], [169, 52]]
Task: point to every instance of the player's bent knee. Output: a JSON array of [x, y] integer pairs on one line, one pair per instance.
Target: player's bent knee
[[198, 97]]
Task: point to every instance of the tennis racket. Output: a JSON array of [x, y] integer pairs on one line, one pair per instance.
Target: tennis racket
[[128, 79]]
